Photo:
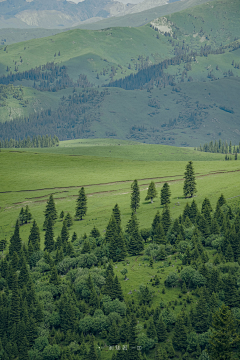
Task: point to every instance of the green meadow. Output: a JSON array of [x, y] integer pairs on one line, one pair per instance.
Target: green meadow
[[106, 168]]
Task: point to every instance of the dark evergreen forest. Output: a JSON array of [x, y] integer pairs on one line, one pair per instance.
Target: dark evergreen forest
[[71, 120], [64, 301]]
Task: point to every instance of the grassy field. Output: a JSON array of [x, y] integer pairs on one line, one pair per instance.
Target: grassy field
[[29, 178]]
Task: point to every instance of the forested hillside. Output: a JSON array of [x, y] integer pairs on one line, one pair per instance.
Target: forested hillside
[[66, 298], [173, 81]]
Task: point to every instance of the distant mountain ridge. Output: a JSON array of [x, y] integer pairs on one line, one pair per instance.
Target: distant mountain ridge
[[50, 14]]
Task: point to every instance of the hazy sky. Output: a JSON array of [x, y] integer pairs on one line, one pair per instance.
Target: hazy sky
[[122, 1]]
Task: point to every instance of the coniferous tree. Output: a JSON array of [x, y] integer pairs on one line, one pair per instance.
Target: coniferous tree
[[14, 313], [189, 187], [113, 335], [135, 196], [166, 219], [165, 194], [152, 192], [50, 211], [117, 215], [206, 203], [49, 240], [229, 255], [193, 211], [179, 335], [54, 278], [64, 233], [95, 232], [159, 237], [117, 290], [230, 291], [124, 331], [92, 355], [186, 212], [135, 245], [27, 215], [155, 223], [34, 237], [15, 241], [61, 215], [161, 330], [81, 207], [86, 247], [151, 330], [69, 220], [221, 201], [133, 353], [201, 320], [223, 335], [23, 277], [74, 237]]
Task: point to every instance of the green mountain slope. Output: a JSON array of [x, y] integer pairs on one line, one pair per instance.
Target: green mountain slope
[[183, 77]]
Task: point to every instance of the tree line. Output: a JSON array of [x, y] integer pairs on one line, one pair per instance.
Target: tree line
[[35, 142], [219, 147], [48, 77]]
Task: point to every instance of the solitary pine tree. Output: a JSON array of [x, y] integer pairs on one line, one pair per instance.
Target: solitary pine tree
[[223, 335], [189, 187], [81, 207], [135, 196], [152, 192], [165, 194]]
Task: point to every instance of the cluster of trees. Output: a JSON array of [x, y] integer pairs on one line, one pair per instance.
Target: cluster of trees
[[48, 77], [76, 308], [35, 142], [220, 147], [64, 300], [155, 74], [71, 120]]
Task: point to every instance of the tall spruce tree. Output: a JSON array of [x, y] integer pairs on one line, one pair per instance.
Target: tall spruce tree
[[34, 237], [50, 211], [223, 335], [81, 207], [193, 211], [133, 353], [135, 245], [161, 330], [189, 187], [166, 219], [135, 196], [179, 334], [15, 241], [152, 192], [155, 223], [159, 237], [49, 236], [165, 194]]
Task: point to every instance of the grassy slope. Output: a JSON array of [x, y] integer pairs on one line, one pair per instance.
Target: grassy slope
[[117, 45], [124, 109], [127, 150], [107, 181]]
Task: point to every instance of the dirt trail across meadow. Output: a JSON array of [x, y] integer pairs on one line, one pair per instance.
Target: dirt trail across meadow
[[106, 192]]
